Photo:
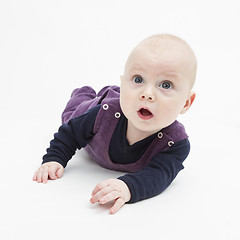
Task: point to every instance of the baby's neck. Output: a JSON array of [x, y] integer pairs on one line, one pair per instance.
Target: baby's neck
[[134, 135]]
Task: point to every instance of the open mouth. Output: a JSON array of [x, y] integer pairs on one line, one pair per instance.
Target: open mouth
[[145, 114]]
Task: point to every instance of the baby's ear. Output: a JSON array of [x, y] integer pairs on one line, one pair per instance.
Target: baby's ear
[[189, 102]]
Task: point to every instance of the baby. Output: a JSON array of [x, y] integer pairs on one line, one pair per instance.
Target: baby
[[132, 128]]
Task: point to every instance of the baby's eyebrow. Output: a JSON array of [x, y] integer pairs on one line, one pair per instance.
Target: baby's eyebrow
[[137, 68], [171, 73]]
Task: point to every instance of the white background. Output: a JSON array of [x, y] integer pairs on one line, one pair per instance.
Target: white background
[[48, 48]]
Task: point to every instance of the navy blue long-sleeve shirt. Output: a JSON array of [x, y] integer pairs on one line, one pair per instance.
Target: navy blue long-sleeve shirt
[[150, 181]]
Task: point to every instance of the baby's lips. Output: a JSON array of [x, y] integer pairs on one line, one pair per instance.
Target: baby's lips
[[145, 111]]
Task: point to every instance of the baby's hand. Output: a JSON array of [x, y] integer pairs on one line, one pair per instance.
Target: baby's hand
[[111, 189], [52, 170]]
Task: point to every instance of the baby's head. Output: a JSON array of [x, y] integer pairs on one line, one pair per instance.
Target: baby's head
[[157, 82]]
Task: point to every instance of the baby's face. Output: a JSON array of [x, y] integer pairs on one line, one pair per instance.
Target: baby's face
[[156, 85]]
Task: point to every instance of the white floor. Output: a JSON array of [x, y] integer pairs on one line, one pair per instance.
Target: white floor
[[50, 47]]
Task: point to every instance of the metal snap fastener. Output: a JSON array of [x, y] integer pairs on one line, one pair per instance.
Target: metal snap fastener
[[117, 115], [105, 106], [160, 135], [170, 143]]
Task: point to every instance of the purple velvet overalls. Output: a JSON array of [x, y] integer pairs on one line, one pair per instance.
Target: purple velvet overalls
[[84, 98]]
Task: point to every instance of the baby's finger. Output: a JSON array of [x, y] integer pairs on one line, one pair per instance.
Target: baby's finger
[[45, 175], [52, 172], [118, 204], [59, 172], [99, 187], [39, 175], [35, 176], [109, 197], [99, 196]]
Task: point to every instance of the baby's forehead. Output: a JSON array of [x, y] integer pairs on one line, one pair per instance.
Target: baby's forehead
[[163, 49], [168, 54], [162, 55]]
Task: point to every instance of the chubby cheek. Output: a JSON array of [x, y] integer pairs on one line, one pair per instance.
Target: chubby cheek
[[123, 104], [168, 113], [126, 102], [164, 118]]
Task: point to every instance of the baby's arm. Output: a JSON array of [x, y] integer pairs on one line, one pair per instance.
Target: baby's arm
[[70, 137], [52, 170], [158, 174], [148, 182], [61, 150]]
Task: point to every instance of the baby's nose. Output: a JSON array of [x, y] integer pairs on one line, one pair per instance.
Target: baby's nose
[[147, 95], [143, 96]]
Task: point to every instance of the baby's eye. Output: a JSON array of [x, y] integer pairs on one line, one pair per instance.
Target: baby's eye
[[138, 79], [165, 85]]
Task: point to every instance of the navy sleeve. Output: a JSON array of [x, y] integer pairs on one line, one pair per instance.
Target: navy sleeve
[[158, 174], [77, 133]]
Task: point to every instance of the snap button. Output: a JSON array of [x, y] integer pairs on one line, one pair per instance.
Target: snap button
[[117, 115], [160, 135], [170, 143], [105, 106]]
